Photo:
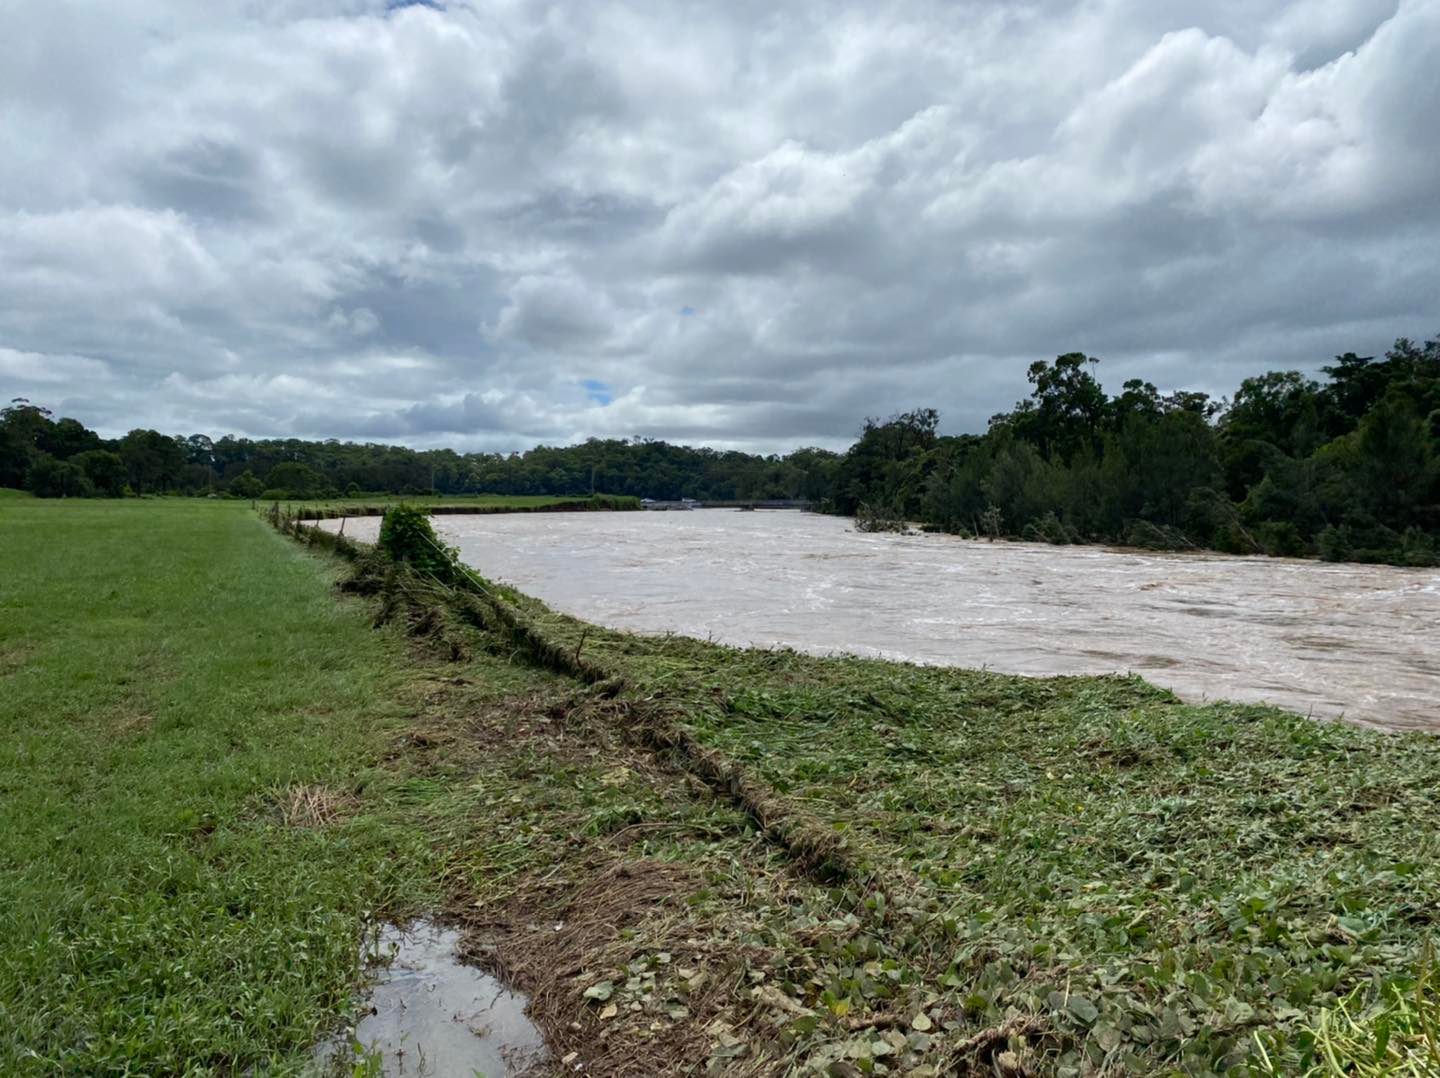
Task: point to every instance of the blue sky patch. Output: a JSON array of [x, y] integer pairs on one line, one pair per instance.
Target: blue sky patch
[[597, 391]]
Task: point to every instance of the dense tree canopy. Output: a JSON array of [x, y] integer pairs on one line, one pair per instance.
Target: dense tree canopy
[[1345, 468], [1348, 469]]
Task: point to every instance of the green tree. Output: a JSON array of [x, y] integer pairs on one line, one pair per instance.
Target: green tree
[[296, 479], [1166, 459], [23, 426], [885, 468], [1066, 410], [1273, 416], [65, 438], [1396, 463], [105, 470], [153, 462], [245, 485], [51, 478]]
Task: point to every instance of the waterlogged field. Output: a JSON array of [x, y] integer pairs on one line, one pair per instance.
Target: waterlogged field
[[689, 858]]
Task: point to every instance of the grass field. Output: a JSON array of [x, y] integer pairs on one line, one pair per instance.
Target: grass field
[[174, 678], [214, 772]]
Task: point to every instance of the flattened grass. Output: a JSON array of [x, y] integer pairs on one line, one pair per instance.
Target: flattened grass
[[171, 673], [1160, 886]]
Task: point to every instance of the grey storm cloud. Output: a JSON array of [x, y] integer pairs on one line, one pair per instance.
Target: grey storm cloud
[[493, 224]]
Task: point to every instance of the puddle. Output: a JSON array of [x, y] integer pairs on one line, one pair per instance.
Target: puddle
[[432, 1015]]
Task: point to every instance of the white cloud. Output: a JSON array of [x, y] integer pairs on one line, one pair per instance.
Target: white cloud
[[753, 224]]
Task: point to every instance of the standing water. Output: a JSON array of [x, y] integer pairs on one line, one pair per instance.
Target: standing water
[[1329, 640], [430, 1016]]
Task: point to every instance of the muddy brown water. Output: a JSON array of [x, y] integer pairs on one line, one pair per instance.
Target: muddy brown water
[[1354, 641]]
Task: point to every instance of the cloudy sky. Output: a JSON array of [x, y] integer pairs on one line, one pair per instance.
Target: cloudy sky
[[492, 224]]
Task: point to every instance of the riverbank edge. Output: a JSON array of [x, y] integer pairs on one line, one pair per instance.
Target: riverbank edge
[[649, 721], [485, 607], [598, 504]]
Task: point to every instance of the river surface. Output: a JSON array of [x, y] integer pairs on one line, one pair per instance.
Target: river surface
[[1354, 641]]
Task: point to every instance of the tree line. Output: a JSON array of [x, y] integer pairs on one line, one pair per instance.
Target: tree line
[[1346, 467], [62, 458]]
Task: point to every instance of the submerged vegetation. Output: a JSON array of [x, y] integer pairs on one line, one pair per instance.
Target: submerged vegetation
[[1348, 471]]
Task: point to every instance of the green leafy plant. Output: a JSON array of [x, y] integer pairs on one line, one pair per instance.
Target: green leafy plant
[[1395, 1034], [406, 535]]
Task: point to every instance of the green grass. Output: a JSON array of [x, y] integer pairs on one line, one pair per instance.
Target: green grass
[[1158, 885], [1082, 872], [169, 672], [1394, 1035], [11, 492]]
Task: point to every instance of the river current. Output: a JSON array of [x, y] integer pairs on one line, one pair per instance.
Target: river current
[[1353, 641]]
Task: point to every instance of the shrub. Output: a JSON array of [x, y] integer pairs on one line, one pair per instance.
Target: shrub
[[614, 501], [1280, 539], [1150, 536], [1232, 538], [1336, 543], [1050, 529], [1417, 548], [406, 535], [991, 522], [245, 485], [870, 519], [51, 478], [104, 469]]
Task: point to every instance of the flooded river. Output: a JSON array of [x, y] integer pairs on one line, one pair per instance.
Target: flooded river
[[1327, 640]]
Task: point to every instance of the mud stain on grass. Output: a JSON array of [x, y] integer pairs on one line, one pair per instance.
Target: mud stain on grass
[[12, 658], [561, 939]]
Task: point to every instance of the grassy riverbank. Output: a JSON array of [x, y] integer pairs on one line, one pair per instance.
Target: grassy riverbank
[[1149, 884], [214, 771]]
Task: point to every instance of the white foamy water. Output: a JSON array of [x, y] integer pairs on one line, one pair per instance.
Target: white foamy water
[[1329, 640]]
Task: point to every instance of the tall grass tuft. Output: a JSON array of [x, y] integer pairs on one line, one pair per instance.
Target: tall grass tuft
[[1394, 1036]]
